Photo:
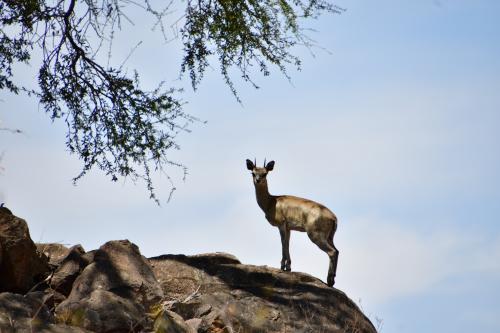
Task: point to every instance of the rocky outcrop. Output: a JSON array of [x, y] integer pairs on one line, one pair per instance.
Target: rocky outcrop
[[231, 297], [21, 265], [115, 289]]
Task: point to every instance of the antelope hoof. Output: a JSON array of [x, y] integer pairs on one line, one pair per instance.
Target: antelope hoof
[[285, 266]]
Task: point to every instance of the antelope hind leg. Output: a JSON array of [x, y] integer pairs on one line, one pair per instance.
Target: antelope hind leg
[[332, 269], [326, 245]]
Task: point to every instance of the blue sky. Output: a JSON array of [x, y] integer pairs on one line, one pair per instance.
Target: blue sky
[[396, 129]]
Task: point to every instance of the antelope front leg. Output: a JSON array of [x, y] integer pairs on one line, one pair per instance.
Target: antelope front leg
[[286, 262]]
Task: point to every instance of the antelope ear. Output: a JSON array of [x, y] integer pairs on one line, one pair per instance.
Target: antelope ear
[[250, 165], [270, 166]]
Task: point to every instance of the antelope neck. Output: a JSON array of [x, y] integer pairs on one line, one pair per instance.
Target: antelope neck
[[264, 199]]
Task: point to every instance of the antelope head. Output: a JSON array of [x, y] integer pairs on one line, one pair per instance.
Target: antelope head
[[259, 174]]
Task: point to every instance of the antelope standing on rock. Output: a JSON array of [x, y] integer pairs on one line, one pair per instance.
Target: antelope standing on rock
[[288, 213]]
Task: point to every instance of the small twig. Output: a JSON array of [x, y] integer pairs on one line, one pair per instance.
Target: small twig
[[11, 130], [47, 279], [169, 304], [129, 54]]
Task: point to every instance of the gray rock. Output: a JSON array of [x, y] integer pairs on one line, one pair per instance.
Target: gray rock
[[28, 313], [68, 269], [89, 256], [61, 328], [118, 284], [22, 266], [194, 323], [19, 313], [120, 268], [55, 252], [104, 311], [49, 297], [192, 309], [170, 322]]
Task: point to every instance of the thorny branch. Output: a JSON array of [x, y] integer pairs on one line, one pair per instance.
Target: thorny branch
[[113, 123]]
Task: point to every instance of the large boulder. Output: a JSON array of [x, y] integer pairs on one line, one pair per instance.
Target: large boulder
[[104, 311], [68, 270], [119, 284], [230, 297], [21, 265], [119, 267]]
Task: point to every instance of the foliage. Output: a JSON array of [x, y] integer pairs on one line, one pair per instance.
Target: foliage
[[245, 33], [113, 123]]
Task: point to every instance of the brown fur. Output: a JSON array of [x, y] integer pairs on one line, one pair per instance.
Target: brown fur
[[288, 213]]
